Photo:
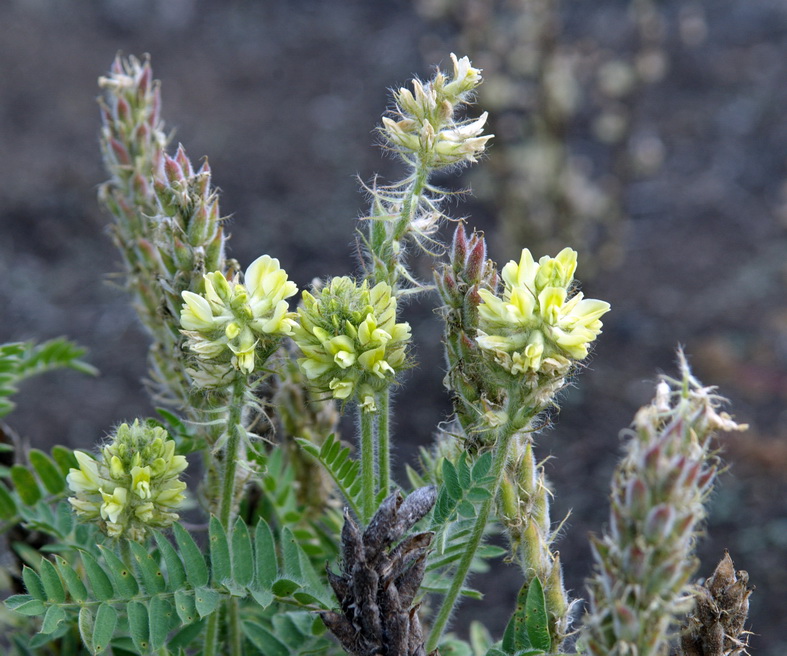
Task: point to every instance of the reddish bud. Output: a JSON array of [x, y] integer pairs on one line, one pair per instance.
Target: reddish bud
[[119, 151], [123, 110], [475, 261], [173, 171], [143, 81], [458, 252], [184, 161]]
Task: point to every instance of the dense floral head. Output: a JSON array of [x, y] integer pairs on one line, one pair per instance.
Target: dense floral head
[[233, 326], [133, 486], [350, 340], [537, 325], [423, 123]]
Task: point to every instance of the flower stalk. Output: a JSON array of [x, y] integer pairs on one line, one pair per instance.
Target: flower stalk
[[646, 558]]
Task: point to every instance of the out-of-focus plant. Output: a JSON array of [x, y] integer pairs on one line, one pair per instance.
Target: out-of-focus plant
[[233, 357], [564, 108]]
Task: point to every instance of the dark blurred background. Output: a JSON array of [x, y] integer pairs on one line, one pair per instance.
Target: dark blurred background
[[648, 135]]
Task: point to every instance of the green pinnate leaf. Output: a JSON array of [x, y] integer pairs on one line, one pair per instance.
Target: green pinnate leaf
[[33, 583], [104, 627], [76, 588], [48, 472], [176, 573], [242, 558], [482, 466], [185, 606], [152, 577], [125, 583], [263, 640], [285, 587], [85, 624], [451, 480], [266, 566], [185, 637], [196, 568], [139, 625], [220, 562], [162, 618], [25, 605], [7, 503], [53, 586], [206, 600], [25, 485], [64, 458], [536, 618], [463, 472], [98, 578]]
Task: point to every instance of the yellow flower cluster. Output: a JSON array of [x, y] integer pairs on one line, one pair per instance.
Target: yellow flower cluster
[[537, 326], [231, 323], [423, 123], [134, 486], [350, 340]]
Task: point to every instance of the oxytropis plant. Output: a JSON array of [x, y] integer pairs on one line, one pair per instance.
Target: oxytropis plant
[[252, 379]]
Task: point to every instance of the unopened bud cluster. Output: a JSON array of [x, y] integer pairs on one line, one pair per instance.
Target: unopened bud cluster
[[352, 345], [236, 327], [645, 560], [134, 485], [424, 126], [459, 283]]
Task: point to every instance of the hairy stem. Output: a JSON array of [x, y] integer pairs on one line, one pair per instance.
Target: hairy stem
[[502, 446], [234, 430], [384, 441], [366, 421]]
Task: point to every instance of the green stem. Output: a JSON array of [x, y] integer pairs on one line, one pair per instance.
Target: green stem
[[366, 421], [384, 440], [503, 444], [230, 461], [236, 635], [234, 430], [212, 634]]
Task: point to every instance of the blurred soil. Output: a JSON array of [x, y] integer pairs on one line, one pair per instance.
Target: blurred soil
[[283, 96]]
